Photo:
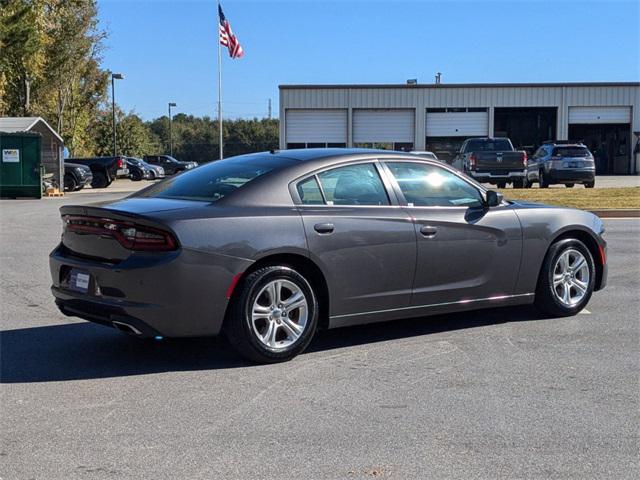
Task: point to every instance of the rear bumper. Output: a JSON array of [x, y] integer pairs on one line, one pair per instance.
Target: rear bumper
[[177, 294], [122, 173], [483, 176], [573, 175]]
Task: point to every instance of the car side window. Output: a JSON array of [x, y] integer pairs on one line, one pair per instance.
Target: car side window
[[309, 192], [426, 185], [353, 185]]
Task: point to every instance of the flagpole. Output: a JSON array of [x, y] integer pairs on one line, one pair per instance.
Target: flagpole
[[219, 87]]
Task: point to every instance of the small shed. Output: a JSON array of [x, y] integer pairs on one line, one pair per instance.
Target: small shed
[[52, 143]]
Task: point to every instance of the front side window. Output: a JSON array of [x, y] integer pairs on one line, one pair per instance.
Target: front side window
[[426, 185], [353, 185]]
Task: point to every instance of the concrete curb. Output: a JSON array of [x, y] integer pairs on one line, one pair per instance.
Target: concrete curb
[[617, 213]]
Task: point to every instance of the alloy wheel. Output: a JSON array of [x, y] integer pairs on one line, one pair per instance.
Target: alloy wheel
[[279, 314], [571, 277]]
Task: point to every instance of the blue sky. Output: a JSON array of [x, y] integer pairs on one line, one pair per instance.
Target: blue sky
[[167, 49]]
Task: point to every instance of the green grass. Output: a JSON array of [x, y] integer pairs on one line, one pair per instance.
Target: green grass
[[584, 198]]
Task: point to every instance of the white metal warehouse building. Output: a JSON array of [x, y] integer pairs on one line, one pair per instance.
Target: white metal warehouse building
[[439, 117]]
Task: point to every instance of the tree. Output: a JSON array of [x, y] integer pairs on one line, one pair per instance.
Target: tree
[[134, 137], [51, 49]]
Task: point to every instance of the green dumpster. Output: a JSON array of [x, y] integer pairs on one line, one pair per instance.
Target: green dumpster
[[20, 174]]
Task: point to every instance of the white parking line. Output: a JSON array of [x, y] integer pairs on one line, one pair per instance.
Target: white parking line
[[584, 311]]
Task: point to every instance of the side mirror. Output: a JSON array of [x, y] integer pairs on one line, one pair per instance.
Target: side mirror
[[493, 198]]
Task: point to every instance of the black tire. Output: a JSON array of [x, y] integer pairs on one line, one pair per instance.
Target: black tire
[[136, 176], [70, 183], [526, 183], [518, 183], [569, 185], [590, 184], [152, 175], [546, 300], [100, 180], [238, 326], [501, 184], [543, 180]]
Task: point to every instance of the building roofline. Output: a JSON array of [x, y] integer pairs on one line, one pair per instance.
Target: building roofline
[[34, 122], [459, 85]]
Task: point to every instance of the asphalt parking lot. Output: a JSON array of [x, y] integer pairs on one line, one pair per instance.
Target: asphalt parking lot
[[494, 394]]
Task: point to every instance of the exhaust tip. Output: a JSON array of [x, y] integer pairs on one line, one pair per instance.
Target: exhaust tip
[[126, 328]]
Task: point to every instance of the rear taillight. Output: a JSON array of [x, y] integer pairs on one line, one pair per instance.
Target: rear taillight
[[473, 161], [525, 160], [121, 163], [132, 236]]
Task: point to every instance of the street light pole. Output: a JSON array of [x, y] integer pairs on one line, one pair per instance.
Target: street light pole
[[171, 104], [114, 77]]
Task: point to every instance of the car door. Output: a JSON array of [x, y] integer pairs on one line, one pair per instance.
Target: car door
[[465, 251], [363, 241]]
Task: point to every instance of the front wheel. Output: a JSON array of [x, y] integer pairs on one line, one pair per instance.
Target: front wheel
[[274, 315], [590, 184], [100, 180], [569, 185], [566, 280]]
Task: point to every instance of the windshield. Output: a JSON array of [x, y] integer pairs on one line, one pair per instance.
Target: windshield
[[494, 145], [215, 180]]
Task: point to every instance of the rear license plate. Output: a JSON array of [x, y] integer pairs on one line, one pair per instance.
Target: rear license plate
[[79, 281]]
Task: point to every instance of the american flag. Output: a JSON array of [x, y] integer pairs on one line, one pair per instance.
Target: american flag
[[227, 38]]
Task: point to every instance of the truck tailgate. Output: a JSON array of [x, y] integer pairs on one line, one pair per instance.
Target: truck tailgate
[[499, 161]]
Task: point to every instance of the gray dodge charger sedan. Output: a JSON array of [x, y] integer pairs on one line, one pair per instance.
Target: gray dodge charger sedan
[[267, 248]]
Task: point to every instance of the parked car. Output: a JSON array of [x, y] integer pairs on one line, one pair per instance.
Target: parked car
[[269, 247], [562, 163], [76, 176], [492, 160], [425, 154], [104, 169], [138, 170], [155, 171], [170, 165]]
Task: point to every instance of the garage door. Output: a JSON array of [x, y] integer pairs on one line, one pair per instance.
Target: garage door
[[316, 126], [599, 114], [380, 126], [457, 124]]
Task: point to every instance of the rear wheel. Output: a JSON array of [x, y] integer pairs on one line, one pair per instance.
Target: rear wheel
[[590, 184], [70, 182], [100, 180], [526, 183], [502, 184], [518, 183], [274, 316], [136, 176], [567, 279], [544, 183], [569, 185]]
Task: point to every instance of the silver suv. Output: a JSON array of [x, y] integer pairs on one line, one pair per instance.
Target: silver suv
[[563, 163]]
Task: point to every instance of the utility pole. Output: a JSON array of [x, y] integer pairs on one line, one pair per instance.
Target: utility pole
[[171, 104], [114, 77], [269, 109]]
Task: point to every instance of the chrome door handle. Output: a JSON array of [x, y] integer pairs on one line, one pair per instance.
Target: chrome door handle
[[428, 231], [324, 227]]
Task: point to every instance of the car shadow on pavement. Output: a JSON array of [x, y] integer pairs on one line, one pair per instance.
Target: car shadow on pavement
[[82, 350]]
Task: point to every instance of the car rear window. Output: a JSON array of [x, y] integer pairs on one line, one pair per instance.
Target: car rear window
[[571, 152], [215, 180], [494, 145]]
